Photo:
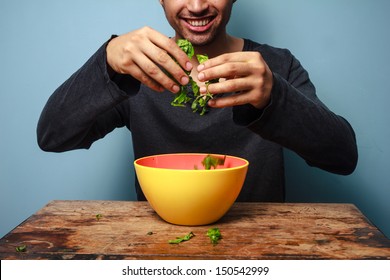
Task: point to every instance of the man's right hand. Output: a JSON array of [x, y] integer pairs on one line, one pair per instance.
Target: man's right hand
[[143, 52]]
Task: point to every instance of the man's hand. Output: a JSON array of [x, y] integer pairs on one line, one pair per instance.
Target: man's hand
[[143, 53], [244, 73]]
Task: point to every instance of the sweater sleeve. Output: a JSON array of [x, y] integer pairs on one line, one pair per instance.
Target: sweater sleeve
[[85, 107], [296, 119]]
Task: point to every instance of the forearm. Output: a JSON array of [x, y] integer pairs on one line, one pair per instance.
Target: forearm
[[300, 122]]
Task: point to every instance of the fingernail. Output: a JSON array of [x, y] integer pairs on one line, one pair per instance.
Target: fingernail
[[184, 80], [202, 89], [211, 102], [200, 67], [188, 66], [175, 88], [201, 76]]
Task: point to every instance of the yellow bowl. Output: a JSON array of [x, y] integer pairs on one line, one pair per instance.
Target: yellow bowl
[[182, 192]]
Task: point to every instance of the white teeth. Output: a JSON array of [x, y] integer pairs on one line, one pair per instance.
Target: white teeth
[[199, 22]]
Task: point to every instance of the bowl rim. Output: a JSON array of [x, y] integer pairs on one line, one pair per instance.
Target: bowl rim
[[246, 162]]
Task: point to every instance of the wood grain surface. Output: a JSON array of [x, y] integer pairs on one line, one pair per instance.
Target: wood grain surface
[[132, 230]]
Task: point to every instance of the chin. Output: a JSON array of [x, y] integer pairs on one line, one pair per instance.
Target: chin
[[200, 40]]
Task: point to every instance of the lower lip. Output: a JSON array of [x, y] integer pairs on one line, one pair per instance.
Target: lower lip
[[199, 29]]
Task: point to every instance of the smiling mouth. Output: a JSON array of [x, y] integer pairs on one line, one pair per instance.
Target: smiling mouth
[[199, 22]]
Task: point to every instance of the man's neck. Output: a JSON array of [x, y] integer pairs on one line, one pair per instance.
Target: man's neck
[[224, 44]]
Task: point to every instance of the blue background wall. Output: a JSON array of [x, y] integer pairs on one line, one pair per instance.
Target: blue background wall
[[343, 43]]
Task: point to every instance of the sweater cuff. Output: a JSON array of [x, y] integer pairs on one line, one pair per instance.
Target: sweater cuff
[[246, 114]]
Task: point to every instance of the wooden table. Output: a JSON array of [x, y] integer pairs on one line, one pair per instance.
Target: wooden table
[[132, 230]]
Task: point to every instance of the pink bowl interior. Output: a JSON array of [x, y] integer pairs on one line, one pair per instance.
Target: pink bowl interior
[[186, 161]]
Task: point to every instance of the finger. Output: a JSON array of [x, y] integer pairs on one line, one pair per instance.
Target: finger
[[177, 53], [230, 101], [148, 73], [230, 85], [140, 75], [229, 70], [169, 56], [230, 65], [163, 60], [224, 58], [169, 46], [150, 70]]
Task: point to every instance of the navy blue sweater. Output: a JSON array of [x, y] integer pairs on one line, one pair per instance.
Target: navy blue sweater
[[92, 103]]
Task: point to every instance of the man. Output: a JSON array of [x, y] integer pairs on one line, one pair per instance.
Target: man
[[264, 101]]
